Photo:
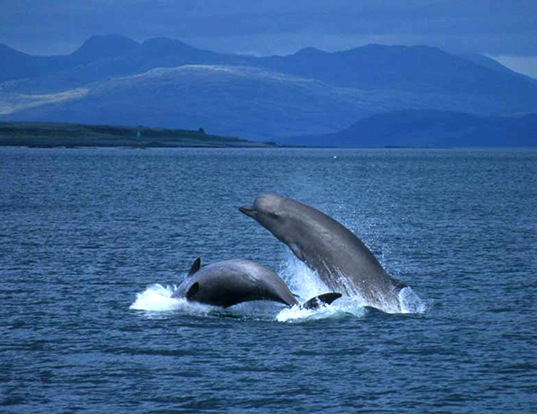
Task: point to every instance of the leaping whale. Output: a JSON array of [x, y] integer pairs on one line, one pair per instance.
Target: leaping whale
[[340, 258], [231, 282]]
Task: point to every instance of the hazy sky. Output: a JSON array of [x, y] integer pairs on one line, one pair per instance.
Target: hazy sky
[[506, 30]]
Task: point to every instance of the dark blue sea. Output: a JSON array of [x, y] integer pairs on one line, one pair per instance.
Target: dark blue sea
[[93, 241]]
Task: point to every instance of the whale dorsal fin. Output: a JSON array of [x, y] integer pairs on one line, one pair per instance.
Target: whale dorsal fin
[[317, 301], [195, 266]]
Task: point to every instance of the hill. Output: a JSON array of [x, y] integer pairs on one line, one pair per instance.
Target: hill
[[241, 101]]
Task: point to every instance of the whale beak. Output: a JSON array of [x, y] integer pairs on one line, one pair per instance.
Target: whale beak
[[249, 211]]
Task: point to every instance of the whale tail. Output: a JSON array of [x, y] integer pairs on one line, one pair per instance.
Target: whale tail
[[318, 301]]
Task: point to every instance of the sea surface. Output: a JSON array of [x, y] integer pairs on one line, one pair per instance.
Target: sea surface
[[93, 241]]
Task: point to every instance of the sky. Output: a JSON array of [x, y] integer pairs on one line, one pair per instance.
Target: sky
[[504, 30]]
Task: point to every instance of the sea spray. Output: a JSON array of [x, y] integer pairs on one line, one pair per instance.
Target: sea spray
[[411, 303], [341, 308], [306, 284], [158, 298], [302, 281]]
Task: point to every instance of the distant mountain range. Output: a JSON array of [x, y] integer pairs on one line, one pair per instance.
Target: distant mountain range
[[167, 83]]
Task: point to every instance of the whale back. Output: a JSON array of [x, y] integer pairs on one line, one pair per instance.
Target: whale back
[[231, 282]]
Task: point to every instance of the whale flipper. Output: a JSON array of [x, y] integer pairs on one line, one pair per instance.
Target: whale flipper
[[318, 301], [192, 291]]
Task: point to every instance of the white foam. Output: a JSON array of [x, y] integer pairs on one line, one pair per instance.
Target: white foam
[[158, 298], [302, 281], [411, 303], [306, 284], [342, 308], [298, 314]]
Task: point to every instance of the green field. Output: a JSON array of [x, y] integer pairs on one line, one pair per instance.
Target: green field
[[50, 135]]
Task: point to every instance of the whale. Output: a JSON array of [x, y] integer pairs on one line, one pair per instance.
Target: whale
[[332, 251], [230, 282]]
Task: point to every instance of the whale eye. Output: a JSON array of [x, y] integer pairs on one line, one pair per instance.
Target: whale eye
[[274, 215]]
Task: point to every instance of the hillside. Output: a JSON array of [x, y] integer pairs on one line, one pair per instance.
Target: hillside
[[428, 128], [49, 135], [241, 101]]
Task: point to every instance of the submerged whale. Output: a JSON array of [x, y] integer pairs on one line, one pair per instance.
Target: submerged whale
[[231, 282], [340, 259]]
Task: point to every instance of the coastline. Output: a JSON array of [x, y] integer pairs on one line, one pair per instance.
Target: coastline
[[64, 135]]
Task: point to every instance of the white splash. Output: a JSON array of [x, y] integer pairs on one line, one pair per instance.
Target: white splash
[[306, 284], [158, 298], [341, 308], [411, 303], [298, 314], [302, 281]]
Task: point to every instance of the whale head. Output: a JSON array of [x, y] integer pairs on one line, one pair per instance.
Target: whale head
[[267, 210]]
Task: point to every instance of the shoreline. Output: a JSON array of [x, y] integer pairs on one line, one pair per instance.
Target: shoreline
[[67, 135]]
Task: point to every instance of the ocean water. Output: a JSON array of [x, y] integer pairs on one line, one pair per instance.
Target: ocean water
[[92, 242]]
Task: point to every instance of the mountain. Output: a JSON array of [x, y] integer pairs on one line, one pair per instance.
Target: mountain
[[165, 82], [416, 69], [103, 47], [18, 65], [102, 58], [429, 128], [378, 66]]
